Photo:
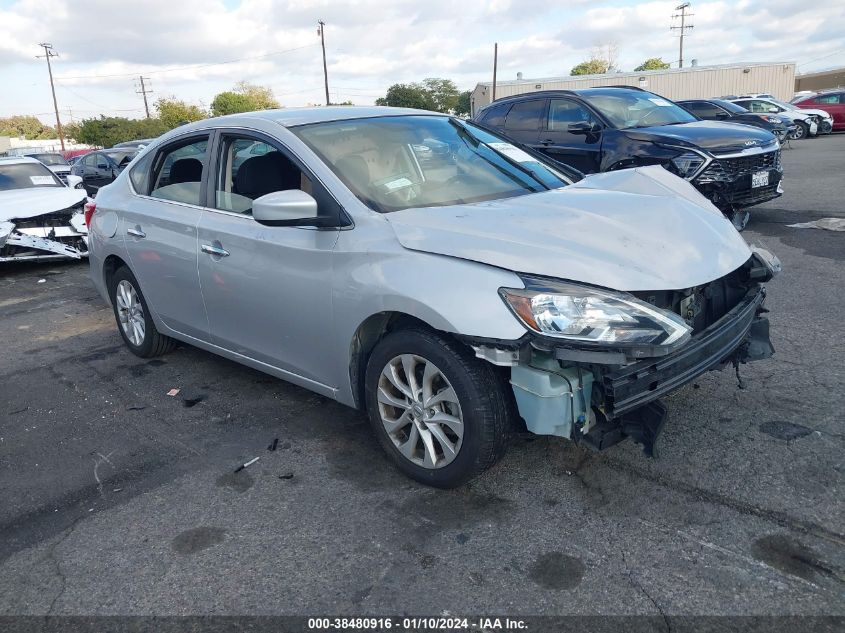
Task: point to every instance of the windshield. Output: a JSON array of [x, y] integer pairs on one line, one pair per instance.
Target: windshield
[[122, 158], [630, 108], [50, 159], [26, 176], [394, 163], [730, 107]]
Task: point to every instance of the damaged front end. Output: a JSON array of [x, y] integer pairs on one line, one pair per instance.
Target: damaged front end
[[596, 378], [56, 235]]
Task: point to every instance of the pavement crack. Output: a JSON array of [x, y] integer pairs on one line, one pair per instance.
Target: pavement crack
[[51, 556], [638, 585]]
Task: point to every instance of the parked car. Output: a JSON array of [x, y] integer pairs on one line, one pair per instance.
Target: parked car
[[55, 162], [604, 129], [41, 217], [719, 110], [446, 302], [137, 144], [804, 118], [100, 168], [831, 101]]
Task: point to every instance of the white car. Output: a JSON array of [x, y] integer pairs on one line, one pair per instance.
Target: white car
[[41, 218], [805, 118]]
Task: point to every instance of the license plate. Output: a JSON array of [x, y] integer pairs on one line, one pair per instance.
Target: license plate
[[760, 179]]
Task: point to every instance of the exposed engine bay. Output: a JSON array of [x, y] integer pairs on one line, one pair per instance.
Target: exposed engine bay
[[54, 235]]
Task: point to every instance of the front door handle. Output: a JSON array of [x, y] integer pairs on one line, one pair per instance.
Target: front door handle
[[214, 250], [136, 232]]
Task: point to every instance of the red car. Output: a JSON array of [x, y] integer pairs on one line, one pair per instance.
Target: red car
[[832, 101]]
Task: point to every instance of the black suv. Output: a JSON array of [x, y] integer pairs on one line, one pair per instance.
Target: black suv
[[602, 129]]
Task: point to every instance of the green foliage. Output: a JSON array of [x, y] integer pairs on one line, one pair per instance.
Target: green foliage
[[28, 127], [592, 66], [106, 131], [464, 106], [653, 63], [433, 93], [173, 112], [245, 97]]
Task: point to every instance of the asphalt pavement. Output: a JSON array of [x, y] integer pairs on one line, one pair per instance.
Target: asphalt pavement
[[118, 499]]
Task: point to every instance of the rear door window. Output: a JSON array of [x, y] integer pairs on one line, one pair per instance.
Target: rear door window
[[494, 116], [178, 170], [526, 115]]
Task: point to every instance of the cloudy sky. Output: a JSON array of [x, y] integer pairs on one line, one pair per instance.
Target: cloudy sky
[[196, 48]]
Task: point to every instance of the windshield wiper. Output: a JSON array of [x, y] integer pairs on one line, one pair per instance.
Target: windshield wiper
[[526, 170]]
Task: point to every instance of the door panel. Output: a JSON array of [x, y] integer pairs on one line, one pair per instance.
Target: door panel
[[269, 298]]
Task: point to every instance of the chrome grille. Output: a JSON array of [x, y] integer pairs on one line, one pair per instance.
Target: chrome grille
[[730, 169]]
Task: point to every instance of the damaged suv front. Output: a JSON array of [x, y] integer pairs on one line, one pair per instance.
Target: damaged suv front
[[596, 361], [41, 217]]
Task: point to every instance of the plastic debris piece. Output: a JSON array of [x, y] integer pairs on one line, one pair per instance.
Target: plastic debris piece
[[41, 281], [247, 464], [287, 475], [273, 445], [173, 392]]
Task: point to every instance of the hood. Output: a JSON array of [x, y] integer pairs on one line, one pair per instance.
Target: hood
[[633, 229], [18, 204], [718, 136], [822, 113]]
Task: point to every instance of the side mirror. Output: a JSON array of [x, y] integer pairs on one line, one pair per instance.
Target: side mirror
[[774, 109], [74, 182], [581, 127], [291, 207]]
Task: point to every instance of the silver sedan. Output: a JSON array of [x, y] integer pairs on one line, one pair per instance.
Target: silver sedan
[[454, 300]]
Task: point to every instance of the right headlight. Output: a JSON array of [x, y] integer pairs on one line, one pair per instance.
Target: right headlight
[[596, 318], [687, 164]]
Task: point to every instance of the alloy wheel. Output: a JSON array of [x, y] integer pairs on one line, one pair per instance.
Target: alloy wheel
[[799, 133], [420, 411], [130, 312]]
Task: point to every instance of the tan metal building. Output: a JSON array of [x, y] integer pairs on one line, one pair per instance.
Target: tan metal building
[[775, 78], [821, 80]]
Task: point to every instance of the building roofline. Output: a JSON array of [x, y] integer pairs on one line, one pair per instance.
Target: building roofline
[[517, 82]]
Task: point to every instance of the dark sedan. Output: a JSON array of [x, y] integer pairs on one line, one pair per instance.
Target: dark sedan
[[721, 110], [99, 169]]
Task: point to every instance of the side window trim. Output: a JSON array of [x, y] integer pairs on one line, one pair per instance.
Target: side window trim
[[345, 221]]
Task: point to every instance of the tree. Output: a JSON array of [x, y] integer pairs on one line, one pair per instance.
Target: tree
[[28, 127], [407, 96], [653, 63], [174, 112], [444, 93], [106, 131], [230, 102], [592, 66], [464, 107], [261, 96]]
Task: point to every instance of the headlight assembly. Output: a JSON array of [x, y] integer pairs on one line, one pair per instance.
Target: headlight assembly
[[687, 165], [595, 318]]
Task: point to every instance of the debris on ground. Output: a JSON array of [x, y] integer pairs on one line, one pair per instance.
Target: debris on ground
[[287, 475], [173, 392], [41, 281], [273, 445], [247, 464], [135, 407], [828, 224]]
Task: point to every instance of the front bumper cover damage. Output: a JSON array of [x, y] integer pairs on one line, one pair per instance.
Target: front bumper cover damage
[[48, 237], [602, 398]]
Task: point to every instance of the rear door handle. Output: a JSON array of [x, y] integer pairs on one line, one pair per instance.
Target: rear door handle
[[214, 250], [137, 232]]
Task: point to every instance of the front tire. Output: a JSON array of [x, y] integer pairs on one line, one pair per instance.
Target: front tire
[[802, 131], [440, 413], [133, 318]]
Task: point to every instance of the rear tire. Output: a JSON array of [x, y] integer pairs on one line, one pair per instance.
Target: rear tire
[[416, 419], [133, 318]]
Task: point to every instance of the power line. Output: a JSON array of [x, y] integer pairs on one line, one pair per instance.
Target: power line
[[192, 67], [48, 53]]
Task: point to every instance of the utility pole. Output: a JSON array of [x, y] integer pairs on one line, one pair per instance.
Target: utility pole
[[321, 29], [48, 53], [495, 64], [684, 26], [144, 91]]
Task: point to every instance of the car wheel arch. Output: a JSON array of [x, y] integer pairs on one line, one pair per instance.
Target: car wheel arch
[[111, 265]]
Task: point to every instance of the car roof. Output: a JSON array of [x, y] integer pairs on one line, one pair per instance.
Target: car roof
[[15, 160], [579, 92]]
